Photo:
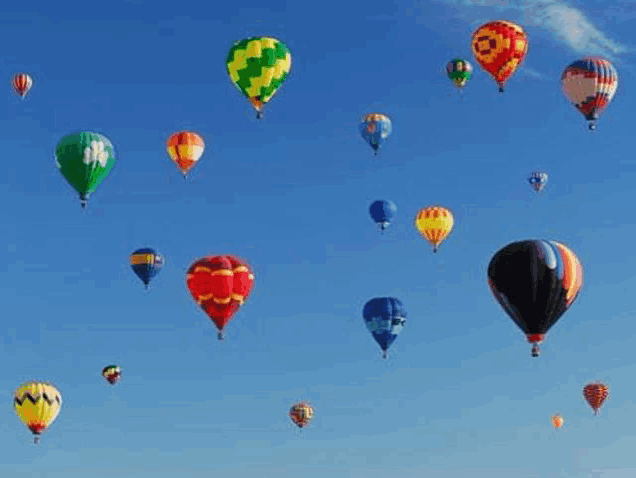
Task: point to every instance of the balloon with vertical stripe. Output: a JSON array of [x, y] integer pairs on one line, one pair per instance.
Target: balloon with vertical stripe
[[185, 149], [434, 223], [22, 84], [595, 394]]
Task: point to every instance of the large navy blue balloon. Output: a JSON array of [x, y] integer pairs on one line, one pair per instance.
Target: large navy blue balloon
[[382, 212], [385, 318], [146, 263]]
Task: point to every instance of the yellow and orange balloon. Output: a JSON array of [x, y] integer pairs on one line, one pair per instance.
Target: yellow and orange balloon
[[500, 47], [185, 149], [434, 223], [557, 421]]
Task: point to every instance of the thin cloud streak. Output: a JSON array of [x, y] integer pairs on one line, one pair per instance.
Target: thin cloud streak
[[568, 24]]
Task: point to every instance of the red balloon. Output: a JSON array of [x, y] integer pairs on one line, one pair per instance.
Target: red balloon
[[220, 285], [595, 394]]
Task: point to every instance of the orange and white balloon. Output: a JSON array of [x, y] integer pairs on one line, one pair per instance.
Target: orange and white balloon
[[185, 149], [557, 421]]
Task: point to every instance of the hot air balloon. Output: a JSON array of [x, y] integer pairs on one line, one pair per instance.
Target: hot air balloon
[[595, 394], [112, 374], [220, 285], [385, 318], [434, 223], [85, 159], [301, 414], [22, 83], [590, 84], [37, 404], [499, 47], [382, 212], [375, 128], [535, 282], [459, 72], [258, 66], [185, 149], [146, 263], [557, 421], [538, 181]]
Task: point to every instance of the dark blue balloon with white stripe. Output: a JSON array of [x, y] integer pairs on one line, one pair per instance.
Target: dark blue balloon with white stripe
[[382, 212], [146, 263], [385, 318]]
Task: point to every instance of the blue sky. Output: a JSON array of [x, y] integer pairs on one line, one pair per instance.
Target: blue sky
[[460, 395]]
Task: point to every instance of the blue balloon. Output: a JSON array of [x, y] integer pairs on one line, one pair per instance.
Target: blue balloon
[[382, 212], [146, 263], [375, 128], [385, 318], [538, 181]]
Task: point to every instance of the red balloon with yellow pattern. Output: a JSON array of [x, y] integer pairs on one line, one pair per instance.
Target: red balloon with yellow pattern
[[220, 285], [185, 149], [500, 47]]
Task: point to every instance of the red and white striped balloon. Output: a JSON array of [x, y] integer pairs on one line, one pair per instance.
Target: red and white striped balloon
[[22, 83]]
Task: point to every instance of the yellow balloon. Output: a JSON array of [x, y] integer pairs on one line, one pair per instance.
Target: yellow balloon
[[434, 224], [37, 404], [557, 421]]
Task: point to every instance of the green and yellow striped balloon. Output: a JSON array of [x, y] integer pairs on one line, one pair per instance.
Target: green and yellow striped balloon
[[258, 66]]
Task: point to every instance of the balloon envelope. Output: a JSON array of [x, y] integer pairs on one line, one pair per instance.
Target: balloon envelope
[[385, 318], [382, 212], [146, 263], [37, 405], [375, 128]]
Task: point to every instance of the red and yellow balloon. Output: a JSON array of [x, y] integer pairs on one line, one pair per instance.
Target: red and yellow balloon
[[500, 47], [185, 149], [220, 285], [301, 414]]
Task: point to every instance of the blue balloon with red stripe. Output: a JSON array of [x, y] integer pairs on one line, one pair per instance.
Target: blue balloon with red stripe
[[146, 264]]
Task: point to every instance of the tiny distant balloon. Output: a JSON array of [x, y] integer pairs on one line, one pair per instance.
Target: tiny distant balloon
[[301, 414], [112, 374], [385, 318], [590, 84], [382, 212], [557, 421], [375, 128], [146, 263], [538, 181], [22, 84], [434, 223], [459, 72], [185, 149]]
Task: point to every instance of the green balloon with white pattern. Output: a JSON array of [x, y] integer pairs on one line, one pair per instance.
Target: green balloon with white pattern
[[85, 159]]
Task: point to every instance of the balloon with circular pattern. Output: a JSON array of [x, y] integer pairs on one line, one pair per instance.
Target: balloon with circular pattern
[[500, 47]]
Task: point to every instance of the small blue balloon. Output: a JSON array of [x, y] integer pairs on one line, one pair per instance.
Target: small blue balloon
[[385, 318], [146, 263], [375, 128], [538, 181], [382, 212]]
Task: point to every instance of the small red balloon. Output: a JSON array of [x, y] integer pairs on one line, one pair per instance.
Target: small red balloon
[[220, 285], [595, 394]]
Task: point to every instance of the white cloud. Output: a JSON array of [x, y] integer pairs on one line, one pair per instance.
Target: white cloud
[[524, 70], [567, 23]]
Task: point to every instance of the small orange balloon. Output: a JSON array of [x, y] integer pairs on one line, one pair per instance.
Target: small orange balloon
[[557, 421], [185, 149]]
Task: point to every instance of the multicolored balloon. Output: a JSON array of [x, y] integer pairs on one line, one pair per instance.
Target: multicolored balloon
[[595, 394], [459, 71], [22, 84], [538, 181], [535, 282], [301, 414], [590, 84], [220, 285], [258, 66], [146, 263], [434, 223], [37, 405], [185, 149], [85, 159], [112, 374], [500, 47], [382, 212], [375, 128], [557, 421], [385, 318]]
